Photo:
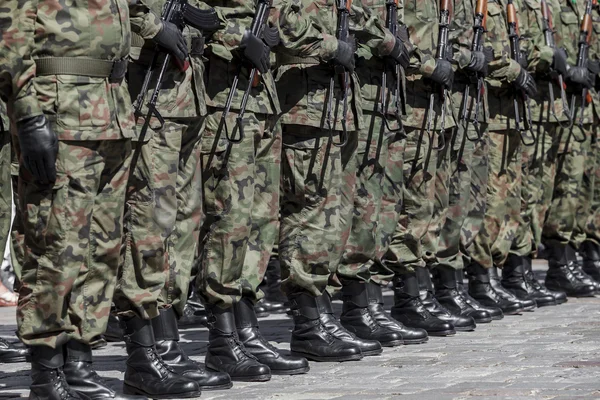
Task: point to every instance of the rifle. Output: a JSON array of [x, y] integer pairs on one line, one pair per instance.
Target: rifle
[[391, 21], [257, 28], [479, 28], [549, 37], [440, 54], [342, 34], [515, 54], [180, 13], [585, 35]]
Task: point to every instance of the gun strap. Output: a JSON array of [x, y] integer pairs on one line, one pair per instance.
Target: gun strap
[[283, 59], [90, 67]]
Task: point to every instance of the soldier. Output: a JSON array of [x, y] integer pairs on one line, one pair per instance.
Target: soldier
[[73, 121]]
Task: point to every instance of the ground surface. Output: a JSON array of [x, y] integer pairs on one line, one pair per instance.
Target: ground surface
[[552, 353]]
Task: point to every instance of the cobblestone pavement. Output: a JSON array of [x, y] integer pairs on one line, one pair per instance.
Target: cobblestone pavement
[[552, 353]]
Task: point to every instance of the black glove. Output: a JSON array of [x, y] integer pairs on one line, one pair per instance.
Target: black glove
[[400, 53], [594, 68], [39, 147], [478, 63], [443, 74], [171, 39], [526, 83], [580, 77], [345, 55], [256, 51], [402, 34], [559, 62]]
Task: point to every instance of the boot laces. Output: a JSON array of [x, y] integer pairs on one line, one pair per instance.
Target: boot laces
[[239, 348], [61, 386], [157, 360]]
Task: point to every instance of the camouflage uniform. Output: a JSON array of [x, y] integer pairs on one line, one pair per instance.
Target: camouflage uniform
[[164, 200], [76, 222], [5, 179]]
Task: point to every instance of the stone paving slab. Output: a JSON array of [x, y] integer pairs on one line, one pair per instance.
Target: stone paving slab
[[552, 353]]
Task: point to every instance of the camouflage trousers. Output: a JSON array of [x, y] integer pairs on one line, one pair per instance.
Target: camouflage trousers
[[17, 233], [538, 170], [162, 221], [317, 184], [405, 251], [376, 197], [591, 227], [503, 200], [561, 218], [241, 202], [587, 193], [5, 190], [73, 233]]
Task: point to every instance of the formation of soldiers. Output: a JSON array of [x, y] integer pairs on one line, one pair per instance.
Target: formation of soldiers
[[337, 147]]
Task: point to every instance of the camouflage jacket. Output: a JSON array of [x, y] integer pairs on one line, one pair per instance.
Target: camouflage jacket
[[595, 54], [298, 37], [78, 107], [422, 17]]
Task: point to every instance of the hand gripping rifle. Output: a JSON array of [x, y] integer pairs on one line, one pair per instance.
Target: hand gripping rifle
[[342, 34], [515, 54], [179, 13], [391, 21], [479, 28], [585, 36], [549, 38], [441, 54]]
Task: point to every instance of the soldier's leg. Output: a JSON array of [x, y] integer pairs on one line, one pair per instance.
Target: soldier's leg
[[590, 248]]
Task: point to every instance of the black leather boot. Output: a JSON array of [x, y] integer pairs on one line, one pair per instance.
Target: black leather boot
[[356, 316], [10, 353], [331, 323], [590, 252], [514, 280], [194, 313], [447, 293], [562, 268], [113, 332], [227, 353], [267, 354], [83, 379], [311, 339], [581, 275], [274, 300], [167, 346], [495, 281], [410, 311], [494, 312], [559, 297], [409, 335], [146, 373], [460, 323], [48, 381], [480, 289]]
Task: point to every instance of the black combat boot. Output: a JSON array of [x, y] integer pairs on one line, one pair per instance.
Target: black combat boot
[[494, 312], [331, 323], [48, 381], [167, 346], [481, 289], [10, 353], [562, 268], [113, 332], [274, 300], [460, 323], [514, 280], [409, 335], [581, 275], [447, 293], [495, 281], [194, 313], [267, 354], [590, 252], [357, 318], [147, 374], [559, 297], [410, 311], [83, 379], [311, 339], [227, 353]]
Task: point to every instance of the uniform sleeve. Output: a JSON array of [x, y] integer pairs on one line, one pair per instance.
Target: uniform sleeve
[[17, 47], [370, 30], [461, 36], [145, 22]]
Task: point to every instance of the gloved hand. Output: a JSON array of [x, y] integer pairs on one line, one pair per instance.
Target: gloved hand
[[256, 51], [443, 74], [559, 62], [594, 69], [478, 63], [400, 53], [39, 147], [526, 83], [580, 77], [171, 39], [345, 55]]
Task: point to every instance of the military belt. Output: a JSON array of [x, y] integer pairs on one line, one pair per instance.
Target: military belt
[[287, 60], [90, 67]]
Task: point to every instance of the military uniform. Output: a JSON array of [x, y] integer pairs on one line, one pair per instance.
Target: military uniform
[[5, 179]]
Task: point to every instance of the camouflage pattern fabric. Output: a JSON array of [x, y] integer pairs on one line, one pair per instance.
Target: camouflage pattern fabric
[[17, 233], [5, 179]]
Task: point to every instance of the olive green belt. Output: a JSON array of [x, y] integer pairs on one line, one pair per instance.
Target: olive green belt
[[283, 59], [91, 67]]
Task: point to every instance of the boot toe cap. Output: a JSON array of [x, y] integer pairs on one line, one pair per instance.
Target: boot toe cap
[[481, 316], [414, 335], [463, 323], [208, 380], [287, 365]]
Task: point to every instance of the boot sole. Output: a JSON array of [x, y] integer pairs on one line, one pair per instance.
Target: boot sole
[[484, 320], [130, 390], [355, 357], [498, 317], [442, 333], [372, 353], [253, 378], [217, 387], [465, 328], [416, 341], [296, 371], [392, 343]]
